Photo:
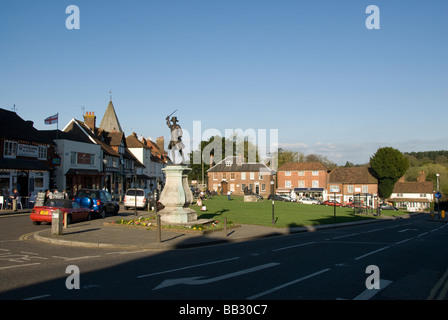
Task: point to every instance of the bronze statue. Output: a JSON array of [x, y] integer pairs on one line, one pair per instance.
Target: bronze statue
[[176, 138]]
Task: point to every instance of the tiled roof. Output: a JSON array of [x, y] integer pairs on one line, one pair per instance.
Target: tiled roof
[[414, 187], [238, 167], [299, 166], [353, 175]]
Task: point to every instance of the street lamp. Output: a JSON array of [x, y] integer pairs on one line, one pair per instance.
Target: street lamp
[[438, 202]]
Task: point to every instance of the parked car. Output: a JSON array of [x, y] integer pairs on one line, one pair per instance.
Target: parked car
[[276, 197], [385, 206], [143, 198], [98, 201], [331, 203], [73, 210], [309, 201]]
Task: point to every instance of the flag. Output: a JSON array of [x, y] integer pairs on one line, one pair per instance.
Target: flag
[[52, 119]]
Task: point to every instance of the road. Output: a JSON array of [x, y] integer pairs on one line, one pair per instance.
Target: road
[[410, 256]]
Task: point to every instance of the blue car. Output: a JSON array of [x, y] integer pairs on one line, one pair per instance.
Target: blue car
[[98, 201]]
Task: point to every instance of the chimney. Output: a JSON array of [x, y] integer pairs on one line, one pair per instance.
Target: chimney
[[90, 120], [211, 160], [421, 176], [161, 143]]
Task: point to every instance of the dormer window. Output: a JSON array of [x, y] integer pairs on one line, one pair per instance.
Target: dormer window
[[228, 163], [121, 148]]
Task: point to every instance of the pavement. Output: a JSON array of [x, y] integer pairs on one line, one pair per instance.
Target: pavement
[[102, 233]]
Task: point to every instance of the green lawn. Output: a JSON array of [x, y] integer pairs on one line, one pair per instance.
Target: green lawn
[[287, 214]]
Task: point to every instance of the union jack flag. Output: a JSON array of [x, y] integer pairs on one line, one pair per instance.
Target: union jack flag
[[52, 119]]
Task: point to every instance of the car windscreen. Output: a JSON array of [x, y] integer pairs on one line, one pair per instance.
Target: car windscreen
[[58, 203], [131, 192], [88, 194]]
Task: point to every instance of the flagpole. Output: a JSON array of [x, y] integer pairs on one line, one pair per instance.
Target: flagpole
[[57, 126]]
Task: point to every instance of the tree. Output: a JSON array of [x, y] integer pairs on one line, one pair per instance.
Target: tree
[[388, 165]]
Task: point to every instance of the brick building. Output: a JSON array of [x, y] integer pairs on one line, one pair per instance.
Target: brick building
[[306, 179], [236, 176], [353, 183]]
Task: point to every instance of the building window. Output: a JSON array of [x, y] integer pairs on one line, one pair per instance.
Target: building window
[[288, 173], [10, 150], [350, 188], [287, 184], [243, 175], [252, 175], [301, 183], [301, 173], [315, 183], [42, 153], [422, 195], [228, 163], [215, 176], [263, 187], [243, 186], [224, 176], [232, 175], [365, 189], [315, 173], [260, 176], [232, 187]]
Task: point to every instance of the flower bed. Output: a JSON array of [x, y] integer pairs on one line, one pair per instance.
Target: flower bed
[[151, 222]]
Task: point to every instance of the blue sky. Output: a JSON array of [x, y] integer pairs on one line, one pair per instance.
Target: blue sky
[[310, 69]]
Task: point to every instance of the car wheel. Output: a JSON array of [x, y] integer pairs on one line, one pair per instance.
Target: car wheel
[[69, 219], [37, 223], [116, 210], [103, 213]]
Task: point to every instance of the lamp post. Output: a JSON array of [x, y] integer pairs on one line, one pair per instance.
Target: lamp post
[[438, 201]]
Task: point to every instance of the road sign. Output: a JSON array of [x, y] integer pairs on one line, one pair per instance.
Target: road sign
[[438, 195]]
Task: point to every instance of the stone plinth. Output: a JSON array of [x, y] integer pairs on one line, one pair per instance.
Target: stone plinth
[[177, 196], [250, 198]]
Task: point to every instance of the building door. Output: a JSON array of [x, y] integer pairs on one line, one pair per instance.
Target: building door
[[225, 187]]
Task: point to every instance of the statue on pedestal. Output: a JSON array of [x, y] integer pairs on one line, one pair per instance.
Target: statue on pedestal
[[176, 138]]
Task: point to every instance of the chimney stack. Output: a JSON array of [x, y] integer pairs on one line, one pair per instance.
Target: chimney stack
[[90, 120], [161, 143]]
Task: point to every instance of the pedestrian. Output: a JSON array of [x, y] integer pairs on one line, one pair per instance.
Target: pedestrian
[[228, 195]]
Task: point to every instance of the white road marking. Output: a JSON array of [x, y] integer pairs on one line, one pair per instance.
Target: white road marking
[[294, 246], [287, 284], [372, 252], [20, 265], [369, 293], [184, 268]]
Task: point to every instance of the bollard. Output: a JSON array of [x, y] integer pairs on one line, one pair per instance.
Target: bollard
[[225, 226], [14, 204], [159, 229], [56, 222], [443, 214]]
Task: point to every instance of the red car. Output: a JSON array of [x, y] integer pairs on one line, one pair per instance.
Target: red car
[[331, 203], [71, 208]]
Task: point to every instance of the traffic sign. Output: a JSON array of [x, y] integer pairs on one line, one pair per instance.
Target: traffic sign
[[438, 195]]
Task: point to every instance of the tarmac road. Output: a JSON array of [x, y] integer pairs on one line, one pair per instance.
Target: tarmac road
[[329, 264]]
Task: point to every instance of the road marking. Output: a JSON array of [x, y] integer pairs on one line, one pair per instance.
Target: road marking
[[287, 284], [369, 293], [404, 230], [20, 265], [195, 281], [422, 234], [402, 241], [294, 246], [348, 235], [436, 288], [76, 258], [184, 268], [372, 252], [37, 297]]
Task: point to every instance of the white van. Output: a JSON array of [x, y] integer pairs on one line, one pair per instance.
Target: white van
[[129, 199]]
